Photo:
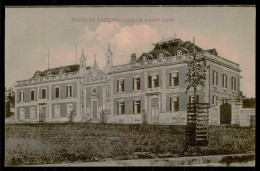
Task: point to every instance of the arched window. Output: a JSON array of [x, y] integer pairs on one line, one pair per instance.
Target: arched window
[[144, 58], [161, 55], [179, 52]]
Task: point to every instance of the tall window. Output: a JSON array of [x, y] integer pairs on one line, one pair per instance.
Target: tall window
[[233, 83], [174, 79], [174, 106], [32, 95], [179, 52], [69, 91], [214, 99], [153, 81], [43, 93], [32, 113], [136, 106], [215, 78], [191, 99], [57, 92], [57, 111], [121, 107], [120, 85], [224, 81], [136, 83], [21, 96]]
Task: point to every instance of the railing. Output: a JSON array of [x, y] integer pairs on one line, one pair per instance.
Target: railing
[[173, 59], [46, 78]]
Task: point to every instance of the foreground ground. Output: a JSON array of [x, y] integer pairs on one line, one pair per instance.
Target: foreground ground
[[79, 142]]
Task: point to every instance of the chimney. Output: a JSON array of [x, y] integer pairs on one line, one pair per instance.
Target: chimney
[[133, 57]]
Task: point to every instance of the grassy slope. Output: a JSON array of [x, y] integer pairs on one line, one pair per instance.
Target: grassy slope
[[55, 143]]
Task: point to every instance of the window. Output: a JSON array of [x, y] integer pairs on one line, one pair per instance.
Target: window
[[21, 96], [69, 91], [224, 81], [32, 113], [120, 85], [22, 113], [174, 106], [136, 106], [179, 52], [32, 95], [153, 81], [161, 55], [215, 78], [62, 71], [44, 93], [37, 75], [136, 83], [233, 83], [214, 99], [49, 73], [224, 100], [121, 107], [144, 58], [191, 99], [57, 92], [174, 79], [57, 111]]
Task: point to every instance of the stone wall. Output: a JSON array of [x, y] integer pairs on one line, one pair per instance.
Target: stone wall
[[173, 118], [239, 115]]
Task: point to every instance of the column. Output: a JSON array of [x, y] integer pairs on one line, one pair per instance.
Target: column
[[104, 97], [49, 104], [219, 102], [16, 97], [112, 96]]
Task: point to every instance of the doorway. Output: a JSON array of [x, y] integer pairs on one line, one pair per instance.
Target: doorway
[[155, 110], [94, 109]]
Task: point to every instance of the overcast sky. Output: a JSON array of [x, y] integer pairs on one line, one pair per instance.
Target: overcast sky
[[30, 32]]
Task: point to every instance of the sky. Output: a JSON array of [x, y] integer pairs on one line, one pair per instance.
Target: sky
[[31, 32]]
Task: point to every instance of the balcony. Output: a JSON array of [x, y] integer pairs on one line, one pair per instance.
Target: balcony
[[155, 90]]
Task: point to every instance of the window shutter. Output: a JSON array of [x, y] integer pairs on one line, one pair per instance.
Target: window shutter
[[70, 91], [123, 108], [213, 78], [223, 85], [138, 83], [133, 106], [217, 78], [189, 99], [197, 99], [139, 107], [235, 84], [177, 79], [123, 86], [170, 79], [149, 81], [118, 108], [157, 80], [170, 103], [231, 83], [23, 96], [117, 85], [176, 104], [133, 83]]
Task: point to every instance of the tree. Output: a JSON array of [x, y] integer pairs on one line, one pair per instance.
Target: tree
[[197, 72], [10, 101]]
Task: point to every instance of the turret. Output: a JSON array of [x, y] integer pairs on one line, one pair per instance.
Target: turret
[[82, 61], [109, 60]]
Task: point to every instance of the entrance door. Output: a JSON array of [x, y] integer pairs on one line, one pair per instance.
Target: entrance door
[[155, 110], [94, 109], [225, 113], [42, 114]]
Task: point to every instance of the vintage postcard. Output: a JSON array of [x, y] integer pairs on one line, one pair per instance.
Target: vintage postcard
[[130, 86]]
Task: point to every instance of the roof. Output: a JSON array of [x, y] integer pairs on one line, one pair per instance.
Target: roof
[[186, 46], [55, 71], [211, 51]]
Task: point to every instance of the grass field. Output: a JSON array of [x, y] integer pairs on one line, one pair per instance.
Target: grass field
[[56, 143]]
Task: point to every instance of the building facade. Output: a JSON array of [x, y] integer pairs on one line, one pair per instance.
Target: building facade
[[149, 89]]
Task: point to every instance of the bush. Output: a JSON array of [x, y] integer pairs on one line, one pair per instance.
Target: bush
[[56, 143]]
